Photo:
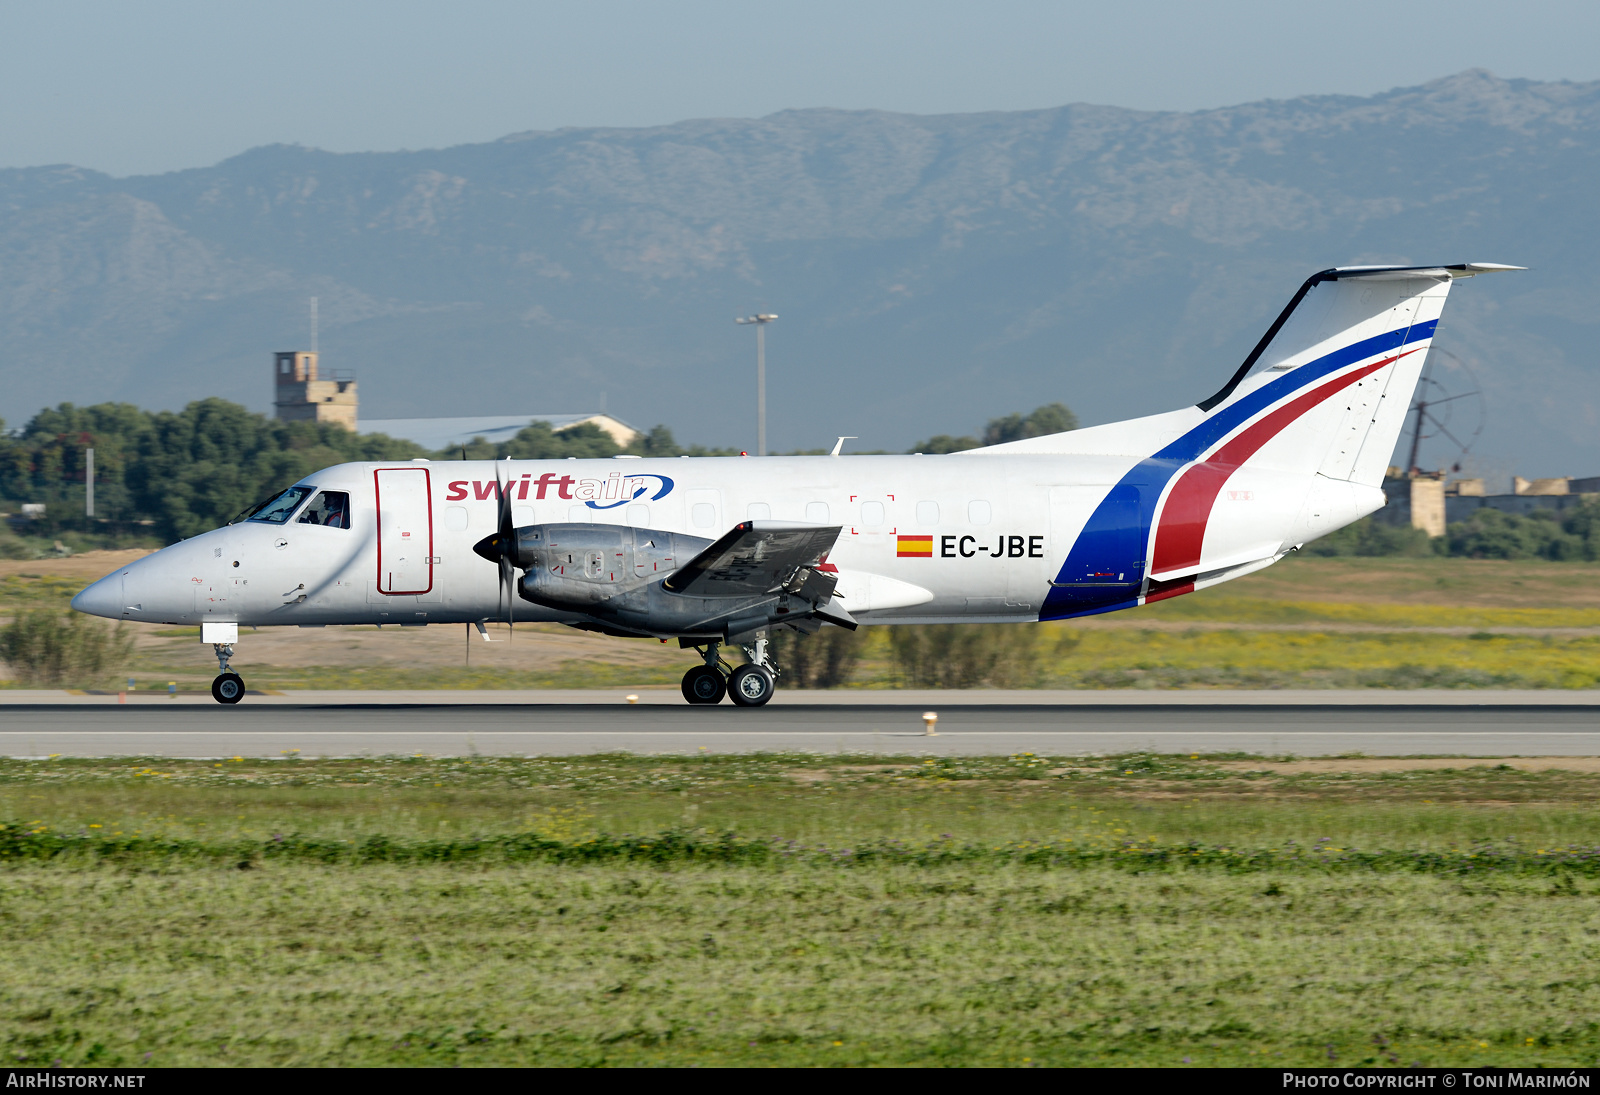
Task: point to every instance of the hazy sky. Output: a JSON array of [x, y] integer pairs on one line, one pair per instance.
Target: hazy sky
[[134, 87]]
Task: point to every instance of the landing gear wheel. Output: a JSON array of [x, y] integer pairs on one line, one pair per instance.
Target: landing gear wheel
[[703, 685], [750, 686], [227, 688]]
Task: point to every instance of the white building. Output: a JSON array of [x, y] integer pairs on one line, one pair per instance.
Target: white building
[[442, 433]]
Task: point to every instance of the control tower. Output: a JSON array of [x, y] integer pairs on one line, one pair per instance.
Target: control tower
[[302, 397]]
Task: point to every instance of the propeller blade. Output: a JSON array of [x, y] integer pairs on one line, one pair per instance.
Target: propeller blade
[[507, 573]]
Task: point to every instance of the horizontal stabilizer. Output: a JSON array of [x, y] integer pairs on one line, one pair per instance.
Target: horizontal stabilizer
[[753, 558]]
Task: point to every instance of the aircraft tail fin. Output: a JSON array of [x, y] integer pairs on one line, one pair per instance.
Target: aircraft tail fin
[[1292, 447], [1335, 373]]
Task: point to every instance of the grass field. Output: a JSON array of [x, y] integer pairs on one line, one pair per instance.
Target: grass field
[[800, 910]]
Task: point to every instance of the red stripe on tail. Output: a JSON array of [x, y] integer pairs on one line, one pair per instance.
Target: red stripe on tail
[[1182, 530]]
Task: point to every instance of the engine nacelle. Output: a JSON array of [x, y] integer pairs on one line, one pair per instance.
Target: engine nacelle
[[614, 575], [578, 567]]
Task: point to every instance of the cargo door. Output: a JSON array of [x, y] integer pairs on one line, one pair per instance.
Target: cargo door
[[1104, 534], [405, 530]]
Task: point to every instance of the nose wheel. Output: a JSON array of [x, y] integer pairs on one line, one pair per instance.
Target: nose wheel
[[227, 688]]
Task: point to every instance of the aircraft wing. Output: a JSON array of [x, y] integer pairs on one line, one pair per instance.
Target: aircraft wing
[[754, 557]]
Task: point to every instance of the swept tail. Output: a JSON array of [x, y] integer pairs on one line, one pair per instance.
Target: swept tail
[[1294, 446]]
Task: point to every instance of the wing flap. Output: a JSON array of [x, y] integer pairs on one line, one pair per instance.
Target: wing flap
[[754, 557]]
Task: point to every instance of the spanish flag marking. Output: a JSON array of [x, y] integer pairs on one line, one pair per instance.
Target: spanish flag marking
[[915, 547]]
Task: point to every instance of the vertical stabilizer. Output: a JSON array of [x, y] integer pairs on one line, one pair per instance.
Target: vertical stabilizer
[[1336, 372], [1293, 446]]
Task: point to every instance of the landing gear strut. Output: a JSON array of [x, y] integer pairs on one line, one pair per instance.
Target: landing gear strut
[[228, 686], [753, 683]]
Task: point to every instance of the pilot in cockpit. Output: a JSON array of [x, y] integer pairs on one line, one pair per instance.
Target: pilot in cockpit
[[330, 508]]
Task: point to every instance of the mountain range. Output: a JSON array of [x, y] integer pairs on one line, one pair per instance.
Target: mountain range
[[929, 272]]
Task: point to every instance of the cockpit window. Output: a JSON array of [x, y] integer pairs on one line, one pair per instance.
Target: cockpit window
[[330, 508], [281, 508]]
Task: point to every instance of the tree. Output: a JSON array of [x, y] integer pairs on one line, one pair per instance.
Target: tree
[[1048, 419]]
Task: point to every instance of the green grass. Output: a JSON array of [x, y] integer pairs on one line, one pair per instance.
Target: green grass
[[818, 800], [796, 910], [1126, 658], [1221, 606], [22, 591], [1067, 658], [971, 965]]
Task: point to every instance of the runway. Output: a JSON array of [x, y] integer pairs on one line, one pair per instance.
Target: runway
[[162, 728]]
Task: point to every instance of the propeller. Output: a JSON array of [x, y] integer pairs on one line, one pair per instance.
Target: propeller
[[507, 572], [498, 548]]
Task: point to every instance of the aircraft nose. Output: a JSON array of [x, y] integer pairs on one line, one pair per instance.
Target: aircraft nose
[[103, 598]]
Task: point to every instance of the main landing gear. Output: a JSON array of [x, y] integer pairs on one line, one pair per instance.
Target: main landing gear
[[749, 685], [228, 686]]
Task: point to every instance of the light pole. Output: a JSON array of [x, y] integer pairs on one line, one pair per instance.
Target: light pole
[[760, 319]]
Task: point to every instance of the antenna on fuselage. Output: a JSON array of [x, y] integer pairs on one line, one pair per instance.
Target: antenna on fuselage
[[839, 444]]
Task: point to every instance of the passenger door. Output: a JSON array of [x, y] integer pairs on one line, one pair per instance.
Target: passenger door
[[405, 530]]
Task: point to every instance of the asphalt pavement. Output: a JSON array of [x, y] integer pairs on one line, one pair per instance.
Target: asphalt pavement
[[155, 726]]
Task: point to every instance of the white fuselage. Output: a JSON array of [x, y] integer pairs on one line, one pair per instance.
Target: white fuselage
[[923, 538]]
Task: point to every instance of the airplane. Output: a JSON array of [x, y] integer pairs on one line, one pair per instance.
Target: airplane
[[720, 552]]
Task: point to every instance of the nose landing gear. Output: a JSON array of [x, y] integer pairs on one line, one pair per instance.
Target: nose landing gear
[[228, 687]]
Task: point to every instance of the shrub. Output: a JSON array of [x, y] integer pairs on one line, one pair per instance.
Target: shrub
[[1369, 537], [43, 648], [1543, 534], [824, 660], [966, 655], [13, 546]]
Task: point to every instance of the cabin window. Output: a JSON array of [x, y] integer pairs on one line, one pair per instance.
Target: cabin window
[[757, 511], [817, 513], [704, 514], [330, 508], [979, 512], [455, 518], [927, 513], [281, 508], [872, 513]]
